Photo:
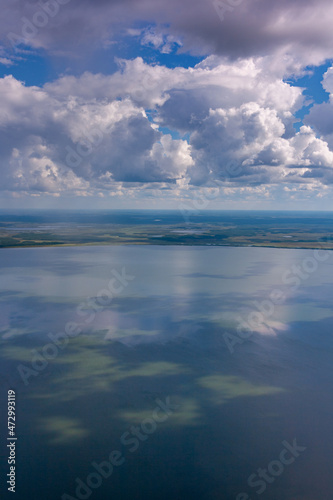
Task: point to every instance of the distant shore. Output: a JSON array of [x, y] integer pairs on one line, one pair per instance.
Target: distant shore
[[308, 245], [231, 229]]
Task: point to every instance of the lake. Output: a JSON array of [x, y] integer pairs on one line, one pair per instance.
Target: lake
[[191, 373]]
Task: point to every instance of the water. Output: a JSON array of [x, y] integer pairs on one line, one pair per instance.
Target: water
[[55, 219], [162, 334]]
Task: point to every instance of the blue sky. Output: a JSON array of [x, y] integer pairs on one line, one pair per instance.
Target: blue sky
[[155, 104]]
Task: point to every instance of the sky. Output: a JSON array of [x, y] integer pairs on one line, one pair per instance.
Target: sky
[[166, 104]]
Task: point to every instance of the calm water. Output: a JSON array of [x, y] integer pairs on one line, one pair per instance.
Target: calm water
[[164, 335], [55, 219]]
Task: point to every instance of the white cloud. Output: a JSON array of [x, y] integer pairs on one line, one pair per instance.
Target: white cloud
[[5, 61], [68, 143], [320, 116], [157, 39], [92, 133]]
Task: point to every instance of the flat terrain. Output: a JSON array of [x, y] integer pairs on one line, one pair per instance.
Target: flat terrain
[[269, 229]]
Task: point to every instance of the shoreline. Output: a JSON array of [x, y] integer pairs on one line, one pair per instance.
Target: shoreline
[[181, 244]]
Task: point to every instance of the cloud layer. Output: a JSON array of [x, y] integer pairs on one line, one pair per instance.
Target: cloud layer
[[227, 122], [233, 28], [220, 123]]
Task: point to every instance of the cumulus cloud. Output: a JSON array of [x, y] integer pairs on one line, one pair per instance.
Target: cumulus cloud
[[320, 117], [54, 144], [219, 122]]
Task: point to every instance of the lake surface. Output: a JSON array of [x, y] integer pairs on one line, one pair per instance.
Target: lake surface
[[176, 364]]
